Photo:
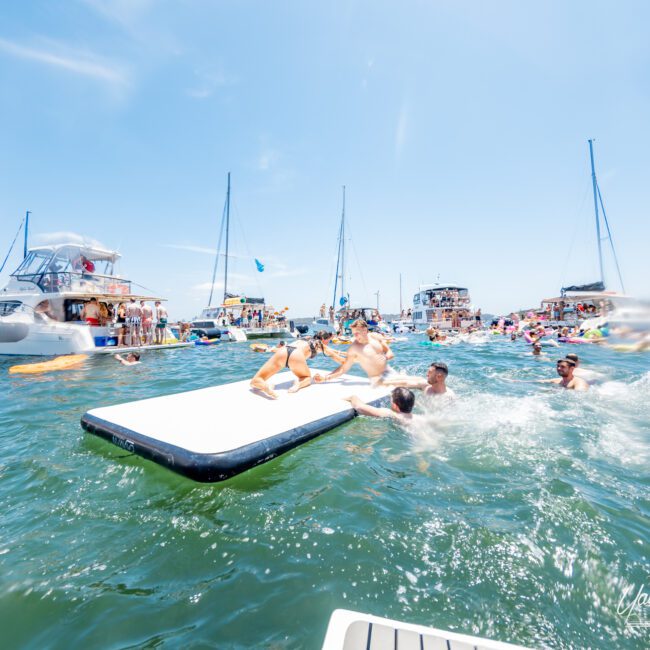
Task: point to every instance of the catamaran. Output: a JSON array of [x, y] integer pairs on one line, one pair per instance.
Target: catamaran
[[237, 317], [341, 310], [588, 305]]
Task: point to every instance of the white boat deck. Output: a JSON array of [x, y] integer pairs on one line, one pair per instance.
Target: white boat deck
[[349, 630], [213, 433]]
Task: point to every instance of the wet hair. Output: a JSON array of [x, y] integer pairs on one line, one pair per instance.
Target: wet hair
[[572, 356], [569, 362], [136, 355], [359, 324], [323, 335], [404, 399], [440, 366]]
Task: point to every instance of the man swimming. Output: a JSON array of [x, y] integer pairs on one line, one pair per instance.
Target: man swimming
[[566, 379], [401, 406], [433, 384], [369, 350], [132, 359], [590, 376]]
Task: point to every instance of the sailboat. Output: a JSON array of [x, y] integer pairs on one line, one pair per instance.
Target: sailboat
[[232, 319], [591, 301], [340, 307]]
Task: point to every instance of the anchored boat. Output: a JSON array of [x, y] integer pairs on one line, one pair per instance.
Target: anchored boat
[[41, 308]]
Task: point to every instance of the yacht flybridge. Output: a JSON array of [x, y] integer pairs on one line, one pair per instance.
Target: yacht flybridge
[[445, 306], [41, 306]]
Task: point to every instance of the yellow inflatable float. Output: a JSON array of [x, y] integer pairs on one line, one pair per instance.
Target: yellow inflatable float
[[58, 363]]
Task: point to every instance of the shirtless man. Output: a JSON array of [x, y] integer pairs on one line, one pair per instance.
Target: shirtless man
[[133, 319], [161, 322], [566, 379], [369, 350], [434, 384], [590, 376], [132, 359], [401, 406], [147, 322], [90, 312]]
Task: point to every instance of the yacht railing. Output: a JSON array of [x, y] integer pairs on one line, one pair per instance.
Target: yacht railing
[[71, 282]]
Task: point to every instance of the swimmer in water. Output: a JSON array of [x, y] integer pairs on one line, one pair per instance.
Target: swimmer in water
[[401, 406], [132, 359], [433, 384], [567, 379], [590, 376]]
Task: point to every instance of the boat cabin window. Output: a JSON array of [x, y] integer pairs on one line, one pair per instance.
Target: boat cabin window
[[9, 307]]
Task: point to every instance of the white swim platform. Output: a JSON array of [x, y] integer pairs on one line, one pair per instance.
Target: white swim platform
[[213, 433], [349, 630]]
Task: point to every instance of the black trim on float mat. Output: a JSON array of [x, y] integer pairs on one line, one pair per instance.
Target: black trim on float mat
[[209, 468]]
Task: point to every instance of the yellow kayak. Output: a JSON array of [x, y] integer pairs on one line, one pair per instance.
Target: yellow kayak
[[58, 363]]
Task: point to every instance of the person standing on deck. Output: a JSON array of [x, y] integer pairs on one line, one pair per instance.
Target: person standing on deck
[[147, 322], [133, 321]]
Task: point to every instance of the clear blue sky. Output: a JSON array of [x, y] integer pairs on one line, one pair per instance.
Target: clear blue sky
[[459, 128]]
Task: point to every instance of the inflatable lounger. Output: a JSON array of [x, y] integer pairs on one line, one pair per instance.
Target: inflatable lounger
[[213, 433], [353, 631]]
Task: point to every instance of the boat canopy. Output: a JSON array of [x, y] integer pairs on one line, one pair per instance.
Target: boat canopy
[[238, 301], [442, 287], [594, 286]]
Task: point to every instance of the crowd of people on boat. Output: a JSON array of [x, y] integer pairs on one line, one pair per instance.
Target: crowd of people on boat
[[134, 322]]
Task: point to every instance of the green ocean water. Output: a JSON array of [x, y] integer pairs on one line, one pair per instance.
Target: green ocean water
[[520, 512]]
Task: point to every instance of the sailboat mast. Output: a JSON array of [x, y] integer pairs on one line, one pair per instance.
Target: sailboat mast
[[343, 246], [225, 277], [26, 233], [340, 258], [595, 184]]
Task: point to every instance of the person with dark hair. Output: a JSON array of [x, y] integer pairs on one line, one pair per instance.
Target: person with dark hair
[[294, 357], [401, 406], [369, 350], [433, 384], [590, 376], [132, 359], [566, 378], [325, 338]]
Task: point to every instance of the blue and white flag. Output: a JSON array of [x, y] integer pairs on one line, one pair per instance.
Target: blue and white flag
[[259, 265]]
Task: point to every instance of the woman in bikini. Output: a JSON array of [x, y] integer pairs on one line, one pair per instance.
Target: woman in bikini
[[294, 357]]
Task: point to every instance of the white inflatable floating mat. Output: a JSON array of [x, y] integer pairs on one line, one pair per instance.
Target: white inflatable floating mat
[[354, 631], [213, 433]]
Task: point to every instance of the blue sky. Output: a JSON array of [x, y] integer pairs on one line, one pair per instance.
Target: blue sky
[[459, 129]]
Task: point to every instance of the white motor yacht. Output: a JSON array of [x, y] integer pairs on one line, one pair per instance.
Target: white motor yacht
[[444, 306], [41, 306]]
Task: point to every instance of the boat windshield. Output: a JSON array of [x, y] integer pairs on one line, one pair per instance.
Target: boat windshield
[[35, 263]]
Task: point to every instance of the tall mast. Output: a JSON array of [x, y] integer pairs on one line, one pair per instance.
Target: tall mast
[[26, 233], [340, 259], [225, 277], [343, 246], [595, 184]]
